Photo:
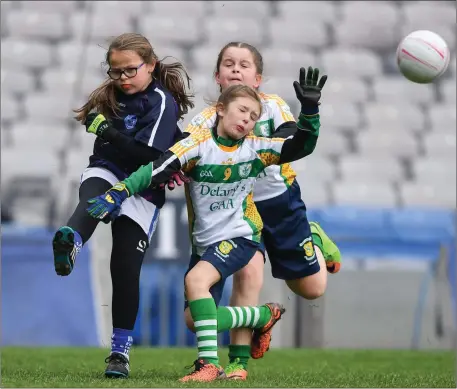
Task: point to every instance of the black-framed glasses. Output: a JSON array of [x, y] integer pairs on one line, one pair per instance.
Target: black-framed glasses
[[116, 74]]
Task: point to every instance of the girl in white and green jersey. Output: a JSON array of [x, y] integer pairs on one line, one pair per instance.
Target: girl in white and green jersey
[[299, 251], [223, 163]]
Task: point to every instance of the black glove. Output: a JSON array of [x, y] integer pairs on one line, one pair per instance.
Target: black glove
[[96, 124], [308, 90]]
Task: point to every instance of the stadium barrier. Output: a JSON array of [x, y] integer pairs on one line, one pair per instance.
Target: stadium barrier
[[39, 308]]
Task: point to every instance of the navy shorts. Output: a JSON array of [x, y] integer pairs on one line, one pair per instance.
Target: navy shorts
[[227, 256], [287, 235]]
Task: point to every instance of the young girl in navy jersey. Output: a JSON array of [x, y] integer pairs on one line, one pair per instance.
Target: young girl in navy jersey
[[134, 115]]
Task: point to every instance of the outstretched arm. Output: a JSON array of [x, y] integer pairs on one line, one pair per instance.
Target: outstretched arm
[[308, 92], [108, 205]]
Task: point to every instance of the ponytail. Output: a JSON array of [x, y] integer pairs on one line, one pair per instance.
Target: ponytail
[[173, 77], [102, 100]]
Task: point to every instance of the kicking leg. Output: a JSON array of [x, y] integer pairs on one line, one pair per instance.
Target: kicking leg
[[69, 239]]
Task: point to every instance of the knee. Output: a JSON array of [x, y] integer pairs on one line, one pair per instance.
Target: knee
[[248, 280], [312, 293], [308, 288], [196, 281], [189, 320]]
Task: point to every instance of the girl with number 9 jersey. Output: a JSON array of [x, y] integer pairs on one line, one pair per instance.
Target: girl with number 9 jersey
[[299, 251]]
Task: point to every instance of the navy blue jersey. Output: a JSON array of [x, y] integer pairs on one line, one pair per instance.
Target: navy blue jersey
[[149, 117]]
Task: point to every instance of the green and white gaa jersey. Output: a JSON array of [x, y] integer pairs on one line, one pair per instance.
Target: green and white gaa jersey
[[222, 180], [274, 180]]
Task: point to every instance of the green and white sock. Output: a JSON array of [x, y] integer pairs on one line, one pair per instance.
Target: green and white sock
[[242, 317], [204, 314]]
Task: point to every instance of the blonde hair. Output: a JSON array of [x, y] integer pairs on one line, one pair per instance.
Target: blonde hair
[[172, 76], [235, 91]]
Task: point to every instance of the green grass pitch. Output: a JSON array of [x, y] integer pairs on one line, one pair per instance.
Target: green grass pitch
[[152, 367]]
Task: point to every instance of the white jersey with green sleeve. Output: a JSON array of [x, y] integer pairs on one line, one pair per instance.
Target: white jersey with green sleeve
[[222, 181], [274, 180]]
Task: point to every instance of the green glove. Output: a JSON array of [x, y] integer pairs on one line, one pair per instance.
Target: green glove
[[96, 124]]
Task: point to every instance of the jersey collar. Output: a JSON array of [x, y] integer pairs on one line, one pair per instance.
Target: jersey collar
[[226, 144]]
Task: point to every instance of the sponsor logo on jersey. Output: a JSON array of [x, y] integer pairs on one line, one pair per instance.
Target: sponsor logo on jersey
[[244, 170], [228, 162], [130, 122], [188, 142], [264, 129], [197, 120], [206, 173]]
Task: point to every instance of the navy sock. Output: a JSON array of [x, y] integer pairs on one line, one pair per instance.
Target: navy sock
[[121, 341]]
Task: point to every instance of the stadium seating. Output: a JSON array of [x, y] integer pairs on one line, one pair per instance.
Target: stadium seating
[[373, 120]]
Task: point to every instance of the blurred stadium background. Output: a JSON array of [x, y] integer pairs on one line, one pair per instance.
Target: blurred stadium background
[[382, 180]]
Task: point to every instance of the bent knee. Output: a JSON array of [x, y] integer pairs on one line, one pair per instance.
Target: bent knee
[[309, 289], [189, 321]]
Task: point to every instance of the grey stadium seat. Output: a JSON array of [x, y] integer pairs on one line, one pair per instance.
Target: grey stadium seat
[[281, 86], [204, 58], [69, 82], [383, 13], [172, 30], [417, 194], [10, 108], [343, 61], [17, 81], [341, 115], [37, 25], [234, 8], [345, 90], [358, 193], [63, 7], [382, 169], [313, 194], [192, 9], [175, 53], [440, 171], [325, 11], [45, 108], [448, 92], [102, 30], [365, 35], [379, 143], [220, 31], [51, 137], [398, 89], [279, 62], [124, 8], [386, 116], [315, 168], [428, 13], [70, 54], [284, 34], [440, 145], [331, 143], [28, 162], [18, 53], [442, 118]]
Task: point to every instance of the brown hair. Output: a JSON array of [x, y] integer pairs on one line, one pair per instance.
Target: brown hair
[[235, 91], [258, 60], [172, 76]]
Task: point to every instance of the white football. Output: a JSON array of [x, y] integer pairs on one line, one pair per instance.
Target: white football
[[423, 56]]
